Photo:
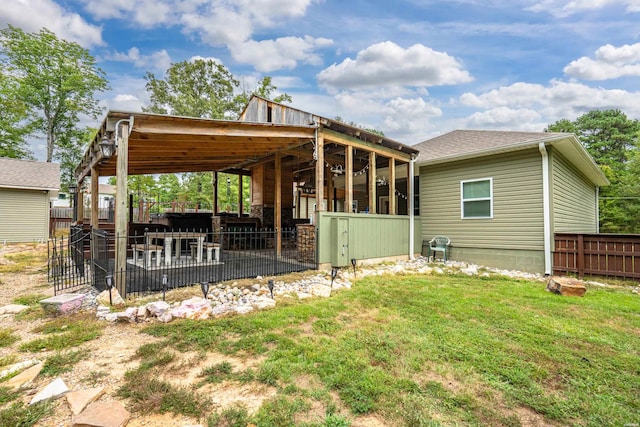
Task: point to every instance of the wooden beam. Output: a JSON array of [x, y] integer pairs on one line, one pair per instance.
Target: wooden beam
[[95, 197], [392, 187], [319, 173], [120, 273], [278, 204], [372, 183], [363, 145], [348, 179]]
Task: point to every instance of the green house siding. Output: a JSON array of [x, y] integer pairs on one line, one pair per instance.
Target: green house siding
[[515, 234], [574, 199], [24, 215]]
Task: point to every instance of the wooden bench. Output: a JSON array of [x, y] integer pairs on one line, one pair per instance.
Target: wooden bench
[[213, 250], [147, 250]]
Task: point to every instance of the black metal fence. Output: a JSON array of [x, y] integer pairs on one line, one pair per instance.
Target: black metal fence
[[163, 260], [68, 267]]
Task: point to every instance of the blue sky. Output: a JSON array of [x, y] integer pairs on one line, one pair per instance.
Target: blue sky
[[413, 69]]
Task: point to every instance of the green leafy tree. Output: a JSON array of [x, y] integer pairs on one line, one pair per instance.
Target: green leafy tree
[[203, 88], [55, 81], [12, 128], [612, 140]]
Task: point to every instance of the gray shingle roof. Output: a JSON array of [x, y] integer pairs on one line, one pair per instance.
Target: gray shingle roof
[[29, 174], [467, 143]]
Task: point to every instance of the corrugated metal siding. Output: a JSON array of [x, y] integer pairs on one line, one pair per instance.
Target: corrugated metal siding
[[24, 215], [574, 205], [517, 221]]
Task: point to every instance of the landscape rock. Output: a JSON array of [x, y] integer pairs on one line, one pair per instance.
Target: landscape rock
[[78, 400], [262, 303], [62, 304], [17, 367], [566, 286], [321, 290], [193, 308], [158, 308], [25, 376], [12, 309], [102, 414], [116, 299], [165, 318], [53, 390]]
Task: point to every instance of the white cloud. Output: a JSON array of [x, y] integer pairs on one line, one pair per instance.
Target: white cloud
[[223, 23], [409, 118], [610, 63], [284, 52], [505, 118], [555, 101], [159, 60], [33, 15], [563, 8], [127, 94], [387, 64]]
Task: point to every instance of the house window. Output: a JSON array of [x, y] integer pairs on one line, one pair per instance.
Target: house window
[[476, 199]]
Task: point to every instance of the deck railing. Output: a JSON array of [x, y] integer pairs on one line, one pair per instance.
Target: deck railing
[[171, 259], [609, 255]]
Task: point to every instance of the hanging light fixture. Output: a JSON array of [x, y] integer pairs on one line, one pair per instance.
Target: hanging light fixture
[[107, 147]]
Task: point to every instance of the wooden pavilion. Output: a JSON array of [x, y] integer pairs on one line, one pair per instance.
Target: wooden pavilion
[[285, 152]]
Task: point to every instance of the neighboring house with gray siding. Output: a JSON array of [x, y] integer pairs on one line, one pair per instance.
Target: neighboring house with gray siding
[[501, 196], [26, 189]]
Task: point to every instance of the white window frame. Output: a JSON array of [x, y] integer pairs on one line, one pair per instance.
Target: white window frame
[[479, 199]]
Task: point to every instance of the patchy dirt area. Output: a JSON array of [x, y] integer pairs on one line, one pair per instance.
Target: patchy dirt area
[[110, 356]]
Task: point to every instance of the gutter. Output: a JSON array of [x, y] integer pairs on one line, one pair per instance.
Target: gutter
[[411, 207], [546, 200]]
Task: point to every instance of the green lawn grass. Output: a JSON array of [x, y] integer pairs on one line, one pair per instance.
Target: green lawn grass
[[437, 350]]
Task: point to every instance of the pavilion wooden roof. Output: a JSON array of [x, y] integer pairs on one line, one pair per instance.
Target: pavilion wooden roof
[[167, 144]]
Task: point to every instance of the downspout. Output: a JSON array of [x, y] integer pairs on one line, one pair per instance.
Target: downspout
[[546, 208], [411, 207]]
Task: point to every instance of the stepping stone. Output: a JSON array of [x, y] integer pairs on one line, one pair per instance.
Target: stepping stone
[[17, 367], [54, 390], [62, 304], [78, 400], [103, 414], [12, 309], [25, 376]]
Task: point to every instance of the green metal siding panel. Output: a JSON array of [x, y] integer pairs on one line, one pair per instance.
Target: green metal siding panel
[[24, 215], [574, 199], [517, 221], [370, 236]]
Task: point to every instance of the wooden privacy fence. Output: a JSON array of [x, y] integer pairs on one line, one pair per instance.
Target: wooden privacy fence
[[612, 255]]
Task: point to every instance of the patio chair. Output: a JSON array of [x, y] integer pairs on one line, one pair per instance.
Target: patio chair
[[437, 244]]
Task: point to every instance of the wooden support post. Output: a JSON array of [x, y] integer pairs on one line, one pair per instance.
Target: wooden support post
[[95, 198], [348, 180], [214, 178], [392, 187], [120, 273], [319, 173], [372, 183], [278, 204], [329, 189], [240, 202], [80, 205]]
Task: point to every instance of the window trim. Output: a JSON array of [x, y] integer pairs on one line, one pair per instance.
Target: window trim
[[479, 199]]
